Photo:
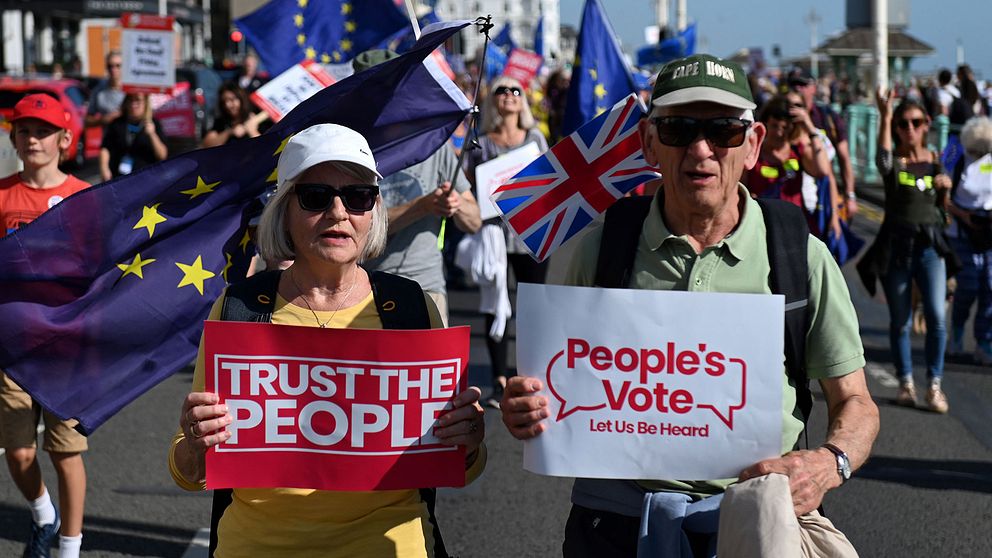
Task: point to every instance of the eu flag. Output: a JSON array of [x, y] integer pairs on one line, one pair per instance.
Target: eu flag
[[286, 32], [539, 36], [669, 49], [104, 295], [504, 40], [600, 75]]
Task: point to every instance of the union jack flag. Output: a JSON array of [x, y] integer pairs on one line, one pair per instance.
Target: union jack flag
[[562, 191]]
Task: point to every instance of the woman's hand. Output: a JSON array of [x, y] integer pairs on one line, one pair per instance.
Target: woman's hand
[[149, 128], [523, 410], [203, 421], [884, 101], [801, 119], [465, 424], [942, 182]]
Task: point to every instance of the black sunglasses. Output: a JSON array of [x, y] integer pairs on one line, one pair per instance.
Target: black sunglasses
[[357, 198], [503, 90], [680, 131], [916, 122]]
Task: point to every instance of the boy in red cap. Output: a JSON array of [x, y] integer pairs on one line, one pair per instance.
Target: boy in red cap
[[41, 137]]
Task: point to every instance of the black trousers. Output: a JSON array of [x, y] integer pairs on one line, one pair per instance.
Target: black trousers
[[525, 270], [593, 533]]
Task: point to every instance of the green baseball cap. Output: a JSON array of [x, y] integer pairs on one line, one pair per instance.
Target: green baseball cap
[[702, 78], [369, 58]]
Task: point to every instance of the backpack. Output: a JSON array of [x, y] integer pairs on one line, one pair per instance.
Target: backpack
[[401, 305], [787, 237]]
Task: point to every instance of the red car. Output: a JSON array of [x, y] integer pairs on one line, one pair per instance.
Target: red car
[[71, 94]]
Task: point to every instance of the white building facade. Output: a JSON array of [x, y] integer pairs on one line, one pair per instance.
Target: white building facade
[[522, 15]]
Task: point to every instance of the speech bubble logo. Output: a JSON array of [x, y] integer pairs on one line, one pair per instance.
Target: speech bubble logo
[[575, 386], [728, 416], [664, 380]]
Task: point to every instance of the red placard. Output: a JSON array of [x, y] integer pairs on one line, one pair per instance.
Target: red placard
[[522, 66], [334, 409], [175, 111]]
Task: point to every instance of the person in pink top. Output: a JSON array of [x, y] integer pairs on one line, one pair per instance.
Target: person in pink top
[[41, 138]]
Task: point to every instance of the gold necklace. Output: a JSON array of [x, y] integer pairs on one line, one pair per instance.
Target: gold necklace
[[347, 295]]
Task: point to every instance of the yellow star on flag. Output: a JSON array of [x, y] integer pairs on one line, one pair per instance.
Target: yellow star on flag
[[194, 274], [149, 218], [599, 91], [346, 8], [345, 45], [337, 56], [301, 39], [134, 268], [600, 110], [350, 26], [302, 3], [227, 266], [274, 176], [311, 53], [201, 188], [325, 58], [593, 74], [298, 20], [244, 242], [282, 144]]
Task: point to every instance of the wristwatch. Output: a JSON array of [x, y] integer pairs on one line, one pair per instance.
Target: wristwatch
[[851, 195], [843, 463]]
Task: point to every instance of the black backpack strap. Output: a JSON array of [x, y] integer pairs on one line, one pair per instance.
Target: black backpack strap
[[787, 238], [251, 300], [618, 245], [400, 301]]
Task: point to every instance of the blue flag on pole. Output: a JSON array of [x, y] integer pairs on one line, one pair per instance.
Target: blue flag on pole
[[104, 295], [600, 75], [402, 40], [286, 32], [670, 49], [539, 37], [504, 40]]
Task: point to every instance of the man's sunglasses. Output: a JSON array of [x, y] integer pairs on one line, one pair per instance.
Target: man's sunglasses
[[504, 90], [681, 131], [916, 122], [357, 198]]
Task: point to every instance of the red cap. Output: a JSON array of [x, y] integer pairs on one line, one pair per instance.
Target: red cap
[[44, 108]]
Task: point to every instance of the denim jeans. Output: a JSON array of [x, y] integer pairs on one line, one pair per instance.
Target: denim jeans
[[927, 268], [974, 282]]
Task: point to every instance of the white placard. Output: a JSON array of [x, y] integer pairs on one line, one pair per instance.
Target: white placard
[[148, 51], [287, 90], [492, 174], [652, 384]]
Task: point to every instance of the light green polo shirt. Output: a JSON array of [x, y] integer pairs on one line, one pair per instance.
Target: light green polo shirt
[[739, 264]]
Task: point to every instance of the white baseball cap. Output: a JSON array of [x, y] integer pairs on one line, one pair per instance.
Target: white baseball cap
[[320, 144]]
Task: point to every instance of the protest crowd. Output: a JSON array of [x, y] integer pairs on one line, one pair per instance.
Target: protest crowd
[[707, 177]]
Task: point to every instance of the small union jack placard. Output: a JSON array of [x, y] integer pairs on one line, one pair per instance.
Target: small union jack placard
[[562, 191]]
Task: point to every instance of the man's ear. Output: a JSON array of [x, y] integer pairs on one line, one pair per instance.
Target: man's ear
[[648, 139], [753, 143]]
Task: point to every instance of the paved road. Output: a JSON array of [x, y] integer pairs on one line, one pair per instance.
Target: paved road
[[926, 491]]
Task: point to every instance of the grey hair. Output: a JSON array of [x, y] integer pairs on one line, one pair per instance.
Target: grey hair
[[976, 136], [273, 239], [491, 118]]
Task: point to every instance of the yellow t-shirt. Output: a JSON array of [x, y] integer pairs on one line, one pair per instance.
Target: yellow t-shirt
[[306, 522]]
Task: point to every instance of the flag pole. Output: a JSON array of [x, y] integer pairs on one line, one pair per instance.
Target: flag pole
[[485, 25], [413, 19]]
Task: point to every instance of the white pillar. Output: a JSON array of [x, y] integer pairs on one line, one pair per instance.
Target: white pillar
[[960, 52], [681, 17], [661, 13], [13, 41], [46, 41], [208, 40], [881, 19]]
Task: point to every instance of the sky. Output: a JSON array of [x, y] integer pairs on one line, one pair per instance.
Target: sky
[[724, 26]]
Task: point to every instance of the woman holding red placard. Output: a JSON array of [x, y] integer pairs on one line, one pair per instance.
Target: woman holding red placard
[[336, 221]]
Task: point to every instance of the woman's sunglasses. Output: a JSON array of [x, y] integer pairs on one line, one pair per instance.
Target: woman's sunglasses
[[504, 90], [680, 131], [916, 122], [357, 198]]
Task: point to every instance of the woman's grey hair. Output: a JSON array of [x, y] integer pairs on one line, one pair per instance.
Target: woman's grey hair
[[273, 239], [976, 136], [491, 118]]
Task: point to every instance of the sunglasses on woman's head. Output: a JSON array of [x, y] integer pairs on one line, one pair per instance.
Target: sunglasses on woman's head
[[681, 131], [916, 122], [504, 90], [357, 198]]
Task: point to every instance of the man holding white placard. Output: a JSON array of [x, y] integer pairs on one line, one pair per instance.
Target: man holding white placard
[[704, 233]]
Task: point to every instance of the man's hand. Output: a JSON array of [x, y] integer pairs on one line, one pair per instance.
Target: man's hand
[[523, 411], [444, 201], [811, 474], [851, 205]]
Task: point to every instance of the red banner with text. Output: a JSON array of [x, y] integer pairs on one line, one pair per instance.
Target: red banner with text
[[334, 409]]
